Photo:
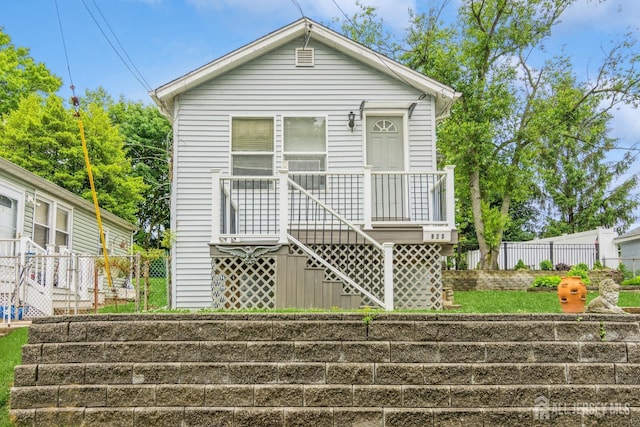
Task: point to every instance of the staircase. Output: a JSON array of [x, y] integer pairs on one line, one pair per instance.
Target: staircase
[[330, 369]]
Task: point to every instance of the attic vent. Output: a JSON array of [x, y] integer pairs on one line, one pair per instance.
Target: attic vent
[[304, 57]]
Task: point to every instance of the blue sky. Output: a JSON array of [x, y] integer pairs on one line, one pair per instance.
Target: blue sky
[[168, 38]]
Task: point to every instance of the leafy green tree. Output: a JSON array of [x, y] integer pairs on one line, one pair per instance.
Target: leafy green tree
[[42, 135], [148, 146], [581, 188], [495, 130], [21, 76]]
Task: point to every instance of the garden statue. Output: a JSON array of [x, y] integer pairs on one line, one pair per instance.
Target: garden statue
[[607, 301]]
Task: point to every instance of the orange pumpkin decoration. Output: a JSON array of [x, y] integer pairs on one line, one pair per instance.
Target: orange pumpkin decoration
[[572, 294]]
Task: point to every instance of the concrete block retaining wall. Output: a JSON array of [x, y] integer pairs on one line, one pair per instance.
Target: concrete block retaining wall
[[329, 369], [467, 280]]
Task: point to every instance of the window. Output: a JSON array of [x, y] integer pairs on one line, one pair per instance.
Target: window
[[41, 223], [305, 145], [62, 227], [252, 146]]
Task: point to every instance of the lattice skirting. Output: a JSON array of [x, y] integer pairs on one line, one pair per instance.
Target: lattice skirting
[[417, 273]]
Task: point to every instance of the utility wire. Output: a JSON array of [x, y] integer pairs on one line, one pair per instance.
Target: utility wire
[[64, 44], [295, 2], [139, 78], [85, 150], [147, 85], [378, 55]]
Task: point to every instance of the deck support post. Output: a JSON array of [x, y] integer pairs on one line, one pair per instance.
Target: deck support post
[[283, 214], [388, 276], [216, 217], [367, 209], [450, 197]]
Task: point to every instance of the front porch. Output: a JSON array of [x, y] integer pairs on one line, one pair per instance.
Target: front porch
[[379, 235]]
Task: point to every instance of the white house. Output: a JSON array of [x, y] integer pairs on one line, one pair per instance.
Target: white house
[[42, 226], [305, 175], [629, 244]]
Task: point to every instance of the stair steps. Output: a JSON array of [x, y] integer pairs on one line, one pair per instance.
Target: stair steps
[[330, 369]]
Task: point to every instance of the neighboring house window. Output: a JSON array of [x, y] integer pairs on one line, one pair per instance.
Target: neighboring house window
[[106, 240], [305, 148], [252, 146], [62, 227], [41, 221]]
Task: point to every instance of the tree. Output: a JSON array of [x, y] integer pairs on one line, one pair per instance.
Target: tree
[[495, 129], [148, 146], [21, 76], [42, 135], [582, 190]]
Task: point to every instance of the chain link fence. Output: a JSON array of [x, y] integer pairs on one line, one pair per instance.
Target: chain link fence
[[70, 284]]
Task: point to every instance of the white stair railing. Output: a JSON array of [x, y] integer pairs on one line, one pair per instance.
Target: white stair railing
[[318, 225]]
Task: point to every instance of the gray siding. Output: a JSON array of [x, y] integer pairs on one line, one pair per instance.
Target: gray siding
[[272, 86], [630, 249], [84, 229]]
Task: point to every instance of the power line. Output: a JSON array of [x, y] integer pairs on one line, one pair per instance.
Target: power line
[[64, 43], [295, 2], [148, 87], [138, 76]]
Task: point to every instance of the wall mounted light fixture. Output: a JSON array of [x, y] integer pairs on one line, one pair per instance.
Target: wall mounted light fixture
[[352, 120]]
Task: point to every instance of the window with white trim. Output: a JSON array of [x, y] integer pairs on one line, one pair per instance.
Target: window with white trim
[[305, 147], [42, 223], [252, 146], [63, 218]]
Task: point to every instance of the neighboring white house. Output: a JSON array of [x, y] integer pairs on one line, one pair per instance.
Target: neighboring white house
[[300, 151], [42, 226], [32, 207], [629, 244], [586, 247]]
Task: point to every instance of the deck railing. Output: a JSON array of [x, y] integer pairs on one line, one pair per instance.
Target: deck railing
[[258, 207]]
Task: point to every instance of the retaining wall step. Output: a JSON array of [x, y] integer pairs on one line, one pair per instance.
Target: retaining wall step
[[327, 373], [578, 415], [332, 351]]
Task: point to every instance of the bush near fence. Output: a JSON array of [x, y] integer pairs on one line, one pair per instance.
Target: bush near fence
[[520, 280]]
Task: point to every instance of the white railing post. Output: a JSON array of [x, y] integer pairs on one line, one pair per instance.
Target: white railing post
[[367, 198], [283, 205], [215, 206], [388, 276], [451, 198]]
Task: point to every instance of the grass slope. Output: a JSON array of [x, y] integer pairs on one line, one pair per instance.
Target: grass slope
[[10, 356]]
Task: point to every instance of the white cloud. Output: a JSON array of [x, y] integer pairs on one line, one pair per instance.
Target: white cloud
[[625, 125], [612, 16]]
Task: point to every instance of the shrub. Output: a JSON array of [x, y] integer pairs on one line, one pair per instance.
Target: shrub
[[546, 282], [598, 265], [563, 267], [581, 266], [546, 265], [631, 282], [626, 273], [520, 265], [579, 272]]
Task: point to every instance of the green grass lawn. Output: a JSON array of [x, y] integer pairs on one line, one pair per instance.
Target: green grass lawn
[[523, 301], [10, 356], [157, 298]]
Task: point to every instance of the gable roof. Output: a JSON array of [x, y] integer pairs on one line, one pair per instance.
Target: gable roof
[[628, 236], [61, 193], [165, 94]]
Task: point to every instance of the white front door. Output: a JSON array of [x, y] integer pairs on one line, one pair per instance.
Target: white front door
[[385, 153]]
